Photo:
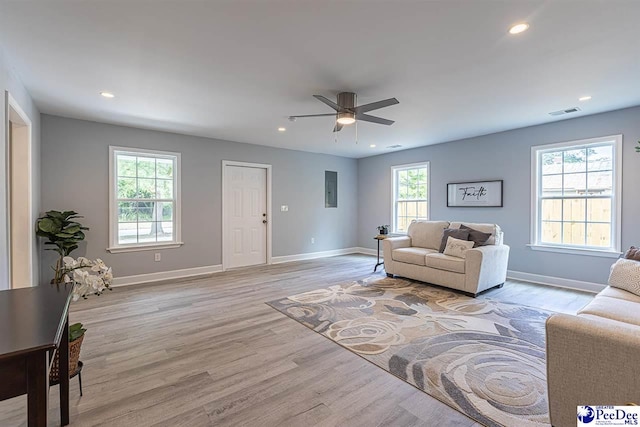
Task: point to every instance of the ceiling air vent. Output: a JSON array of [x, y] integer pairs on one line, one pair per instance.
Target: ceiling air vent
[[562, 112], [394, 146]]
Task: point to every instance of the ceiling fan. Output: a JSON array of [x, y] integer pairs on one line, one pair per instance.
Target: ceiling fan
[[347, 112]]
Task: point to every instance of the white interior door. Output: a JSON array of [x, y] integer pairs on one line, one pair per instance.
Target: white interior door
[[245, 205]]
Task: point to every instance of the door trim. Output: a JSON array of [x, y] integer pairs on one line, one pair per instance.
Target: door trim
[[12, 104], [225, 163]]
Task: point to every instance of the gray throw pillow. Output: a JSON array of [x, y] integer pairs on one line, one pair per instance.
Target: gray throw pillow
[[456, 233], [632, 253], [478, 237]]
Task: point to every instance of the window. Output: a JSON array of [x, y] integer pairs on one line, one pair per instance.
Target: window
[[144, 199], [410, 195], [576, 189]]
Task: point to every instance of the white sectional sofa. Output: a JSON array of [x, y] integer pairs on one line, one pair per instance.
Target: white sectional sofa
[[592, 357], [416, 256]]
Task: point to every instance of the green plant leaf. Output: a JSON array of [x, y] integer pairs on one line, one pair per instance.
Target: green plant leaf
[[46, 225], [76, 331], [72, 229]]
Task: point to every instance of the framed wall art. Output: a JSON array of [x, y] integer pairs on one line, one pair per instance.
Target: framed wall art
[[475, 194]]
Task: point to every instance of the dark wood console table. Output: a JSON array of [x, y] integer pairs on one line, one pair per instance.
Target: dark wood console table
[[34, 324]]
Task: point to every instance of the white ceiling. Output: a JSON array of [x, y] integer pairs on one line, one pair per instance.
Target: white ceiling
[[237, 69]]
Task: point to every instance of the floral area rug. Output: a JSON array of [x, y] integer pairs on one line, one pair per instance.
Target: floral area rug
[[483, 358]]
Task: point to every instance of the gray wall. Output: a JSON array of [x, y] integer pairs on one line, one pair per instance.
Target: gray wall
[[9, 82], [75, 177], [507, 156]]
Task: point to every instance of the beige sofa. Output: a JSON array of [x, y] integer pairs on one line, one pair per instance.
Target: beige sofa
[[416, 256], [592, 357]]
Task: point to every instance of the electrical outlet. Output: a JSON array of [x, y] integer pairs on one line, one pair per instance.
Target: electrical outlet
[[157, 257], [313, 240], [284, 208]]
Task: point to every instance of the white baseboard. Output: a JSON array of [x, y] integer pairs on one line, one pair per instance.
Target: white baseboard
[[314, 255], [369, 251], [555, 281], [166, 275], [203, 271]]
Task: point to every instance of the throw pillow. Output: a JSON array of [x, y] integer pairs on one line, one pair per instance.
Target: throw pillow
[[478, 237], [625, 274], [632, 253], [453, 232], [457, 248]]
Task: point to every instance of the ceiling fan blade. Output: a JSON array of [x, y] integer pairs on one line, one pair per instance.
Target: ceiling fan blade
[[374, 119], [376, 105], [328, 102], [338, 127], [313, 115]]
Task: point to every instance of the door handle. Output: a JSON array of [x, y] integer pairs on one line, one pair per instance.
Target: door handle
[[264, 221]]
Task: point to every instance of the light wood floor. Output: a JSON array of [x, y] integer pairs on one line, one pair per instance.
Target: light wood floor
[[211, 352]]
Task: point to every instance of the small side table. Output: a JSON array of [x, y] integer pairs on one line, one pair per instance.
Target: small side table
[[378, 238]]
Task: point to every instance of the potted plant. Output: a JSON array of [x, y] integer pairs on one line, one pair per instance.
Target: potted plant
[[61, 231], [383, 229], [88, 277]]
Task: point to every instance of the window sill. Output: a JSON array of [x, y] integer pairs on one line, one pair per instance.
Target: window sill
[[138, 248], [576, 251]]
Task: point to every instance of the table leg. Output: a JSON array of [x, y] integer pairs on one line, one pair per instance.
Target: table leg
[[378, 263], [37, 388], [64, 375]]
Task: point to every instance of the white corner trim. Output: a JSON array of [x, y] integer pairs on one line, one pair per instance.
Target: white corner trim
[[166, 275], [555, 281], [314, 255]]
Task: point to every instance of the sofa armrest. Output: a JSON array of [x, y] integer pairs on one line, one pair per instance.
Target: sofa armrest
[[590, 361], [391, 243], [485, 267]]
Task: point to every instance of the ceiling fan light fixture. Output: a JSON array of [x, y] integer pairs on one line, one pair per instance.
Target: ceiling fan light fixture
[[346, 118]]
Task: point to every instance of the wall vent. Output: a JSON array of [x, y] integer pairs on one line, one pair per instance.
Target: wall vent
[[562, 112], [394, 146]]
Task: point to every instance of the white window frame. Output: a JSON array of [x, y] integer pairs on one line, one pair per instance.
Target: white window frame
[[616, 215], [114, 246], [394, 188]]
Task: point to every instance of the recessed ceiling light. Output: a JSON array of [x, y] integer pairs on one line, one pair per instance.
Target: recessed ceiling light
[[519, 28], [372, 146], [584, 98], [107, 94], [281, 129]]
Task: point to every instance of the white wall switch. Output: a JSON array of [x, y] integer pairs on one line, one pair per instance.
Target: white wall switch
[[157, 257], [284, 208], [313, 240]]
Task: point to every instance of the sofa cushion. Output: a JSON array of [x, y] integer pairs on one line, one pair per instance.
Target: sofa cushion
[[477, 237], [457, 248], [612, 292], [412, 255], [613, 308], [625, 274], [458, 233], [494, 229], [427, 234], [445, 262]]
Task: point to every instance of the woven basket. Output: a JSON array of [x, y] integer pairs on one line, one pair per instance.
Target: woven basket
[[74, 356]]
